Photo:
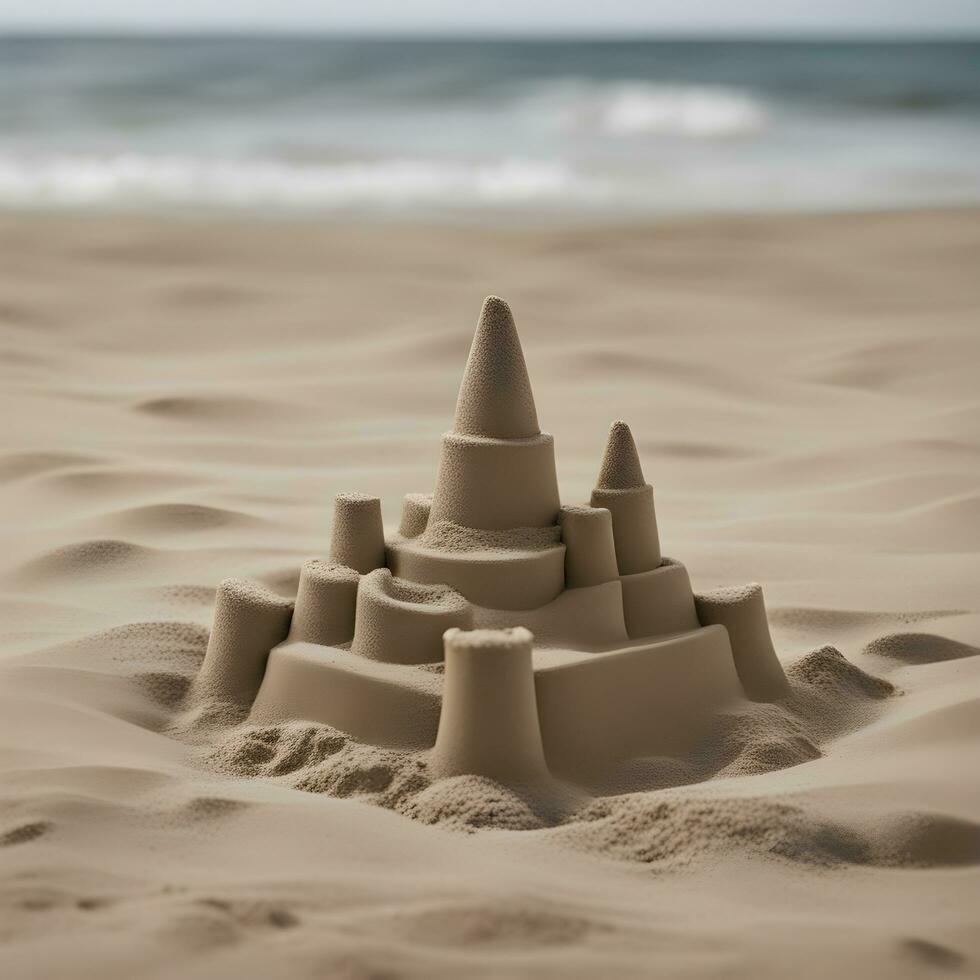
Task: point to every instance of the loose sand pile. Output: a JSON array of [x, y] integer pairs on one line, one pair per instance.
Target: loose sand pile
[[185, 403]]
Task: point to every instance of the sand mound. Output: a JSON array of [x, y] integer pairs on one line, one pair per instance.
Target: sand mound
[[319, 759], [471, 803], [678, 832], [160, 658], [179, 519], [207, 808], [278, 750], [829, 696], [101, 557], [762, 738], [170, 646], [828, 671], [165, 688], [919, 648], [832, 694], [20, 466], [674, 832], [386, 778]]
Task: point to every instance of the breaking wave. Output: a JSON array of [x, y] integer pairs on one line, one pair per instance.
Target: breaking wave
[[631, 109]]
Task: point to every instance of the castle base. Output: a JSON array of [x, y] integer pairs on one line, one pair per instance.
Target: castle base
[[596, 710]]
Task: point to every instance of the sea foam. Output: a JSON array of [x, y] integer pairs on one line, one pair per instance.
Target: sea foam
[[141, 180], [701, 113], [636, 108]]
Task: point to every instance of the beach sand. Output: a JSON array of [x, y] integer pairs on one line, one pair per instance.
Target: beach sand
[[183, 398]]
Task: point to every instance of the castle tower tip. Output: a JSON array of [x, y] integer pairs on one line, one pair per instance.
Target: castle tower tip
[[620, 468], [495, 398], [622, 490]]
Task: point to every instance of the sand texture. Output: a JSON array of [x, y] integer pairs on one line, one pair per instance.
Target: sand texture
[[183, 402]]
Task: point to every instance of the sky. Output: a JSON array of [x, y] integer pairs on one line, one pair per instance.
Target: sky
[[878, 17]]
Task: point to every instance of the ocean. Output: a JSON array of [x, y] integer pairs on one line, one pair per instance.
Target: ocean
[[593, 129]]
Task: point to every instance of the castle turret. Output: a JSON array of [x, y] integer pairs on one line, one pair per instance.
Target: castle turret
[[415, 514], [325, 601], [357, 539], [590, 550], [742, 611], [497, 469], [249, 621], [489, 722], [622, 490]]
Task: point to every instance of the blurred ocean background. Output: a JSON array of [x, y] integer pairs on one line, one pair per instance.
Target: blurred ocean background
[[455, 127]]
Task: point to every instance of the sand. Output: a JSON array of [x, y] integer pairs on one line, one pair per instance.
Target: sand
[[183, 400]]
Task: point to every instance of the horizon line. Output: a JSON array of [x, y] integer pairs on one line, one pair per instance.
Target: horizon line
[[300, 32]]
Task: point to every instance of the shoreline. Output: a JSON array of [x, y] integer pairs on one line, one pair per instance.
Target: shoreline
[[469, 221]]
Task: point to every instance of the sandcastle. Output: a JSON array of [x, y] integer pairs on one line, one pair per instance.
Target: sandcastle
[[504, 633]]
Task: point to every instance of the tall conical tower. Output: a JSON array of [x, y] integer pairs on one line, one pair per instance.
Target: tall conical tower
[[487, 531], [495, 398], [497, 469]]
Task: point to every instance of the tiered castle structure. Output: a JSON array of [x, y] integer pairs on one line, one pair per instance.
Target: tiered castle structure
[[570, 644]]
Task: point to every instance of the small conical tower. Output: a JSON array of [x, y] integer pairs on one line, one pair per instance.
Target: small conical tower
[[497, 469], [620, 468], [622, 490]]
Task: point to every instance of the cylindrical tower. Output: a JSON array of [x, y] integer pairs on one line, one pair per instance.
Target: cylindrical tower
[[590, 551], [325, 602], [249, 621], [415, 514], [742, 611], [489, 722], [358, 538]]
